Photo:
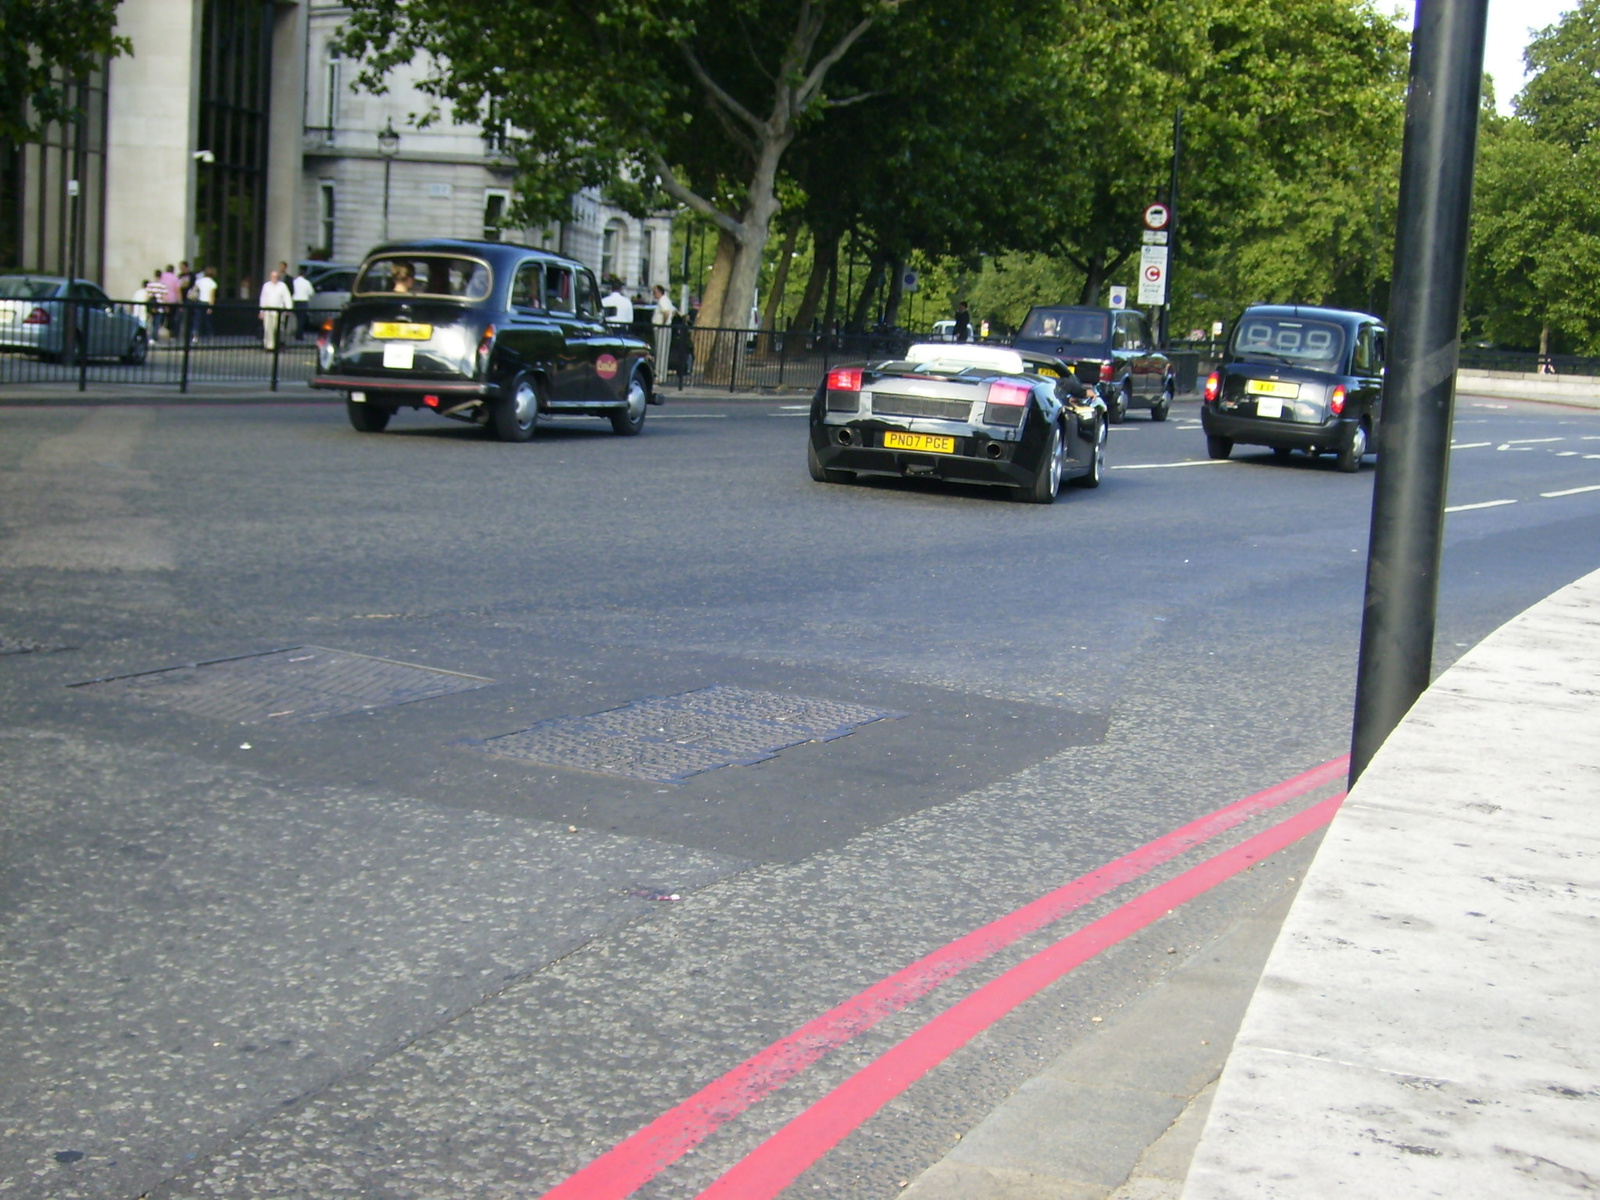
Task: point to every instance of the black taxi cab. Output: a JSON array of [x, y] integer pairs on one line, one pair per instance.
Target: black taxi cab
[[491, 333]]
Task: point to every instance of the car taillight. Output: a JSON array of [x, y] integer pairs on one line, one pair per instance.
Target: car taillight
[[1105, 372], [844, 379], [1003, 391], [1336, 401], [37, 317], [1213, 385], [325, 334], [485, 346]]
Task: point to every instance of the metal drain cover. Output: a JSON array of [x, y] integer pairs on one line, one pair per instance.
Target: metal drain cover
[[288, 687], [669, 738]]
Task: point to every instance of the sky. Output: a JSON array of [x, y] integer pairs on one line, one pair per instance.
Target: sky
[[1509, 24]]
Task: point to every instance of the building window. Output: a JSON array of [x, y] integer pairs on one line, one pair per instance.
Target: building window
[[647, 254], [330, 116], [611, 252], [325, 215], [495, 201]]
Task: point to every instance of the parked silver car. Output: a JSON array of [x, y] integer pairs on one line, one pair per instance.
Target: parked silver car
[[57, 318]]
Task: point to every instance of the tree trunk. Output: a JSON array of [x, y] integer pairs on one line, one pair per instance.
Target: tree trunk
[[897, 291], [824, 254], [869, 293], [710, 316], [1093, 279], [780, 276], [830, 319]]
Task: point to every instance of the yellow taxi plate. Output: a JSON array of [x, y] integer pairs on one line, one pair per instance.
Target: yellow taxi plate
[[1271, 387], [1047, 372], [893, 439], [401, 329]]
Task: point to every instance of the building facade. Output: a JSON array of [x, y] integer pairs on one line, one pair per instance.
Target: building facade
[[233, 137]]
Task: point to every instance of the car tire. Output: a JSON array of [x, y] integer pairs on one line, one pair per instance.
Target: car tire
[[1046, 485], [1282, 453], [1117, 404], [1158, 410], [137, 348], [823, 474], [515, 415], [1097, 465], [1351, 453], [627, 422], [368, 417], [1218, 447]]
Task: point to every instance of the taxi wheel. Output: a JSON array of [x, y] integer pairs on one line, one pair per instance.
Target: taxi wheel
[[1218, 447], [1350, 456], [516, 413], [629, 421], [1047, 479], [367, 417], [822, 474]]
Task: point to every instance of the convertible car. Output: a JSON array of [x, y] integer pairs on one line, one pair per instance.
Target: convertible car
[[487, 332], [961, 413]]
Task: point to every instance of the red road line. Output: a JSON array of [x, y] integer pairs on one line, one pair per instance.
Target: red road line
[[637, 1159], [779, 1161]]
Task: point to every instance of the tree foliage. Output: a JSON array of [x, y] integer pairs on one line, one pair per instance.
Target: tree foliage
[[44, 46]]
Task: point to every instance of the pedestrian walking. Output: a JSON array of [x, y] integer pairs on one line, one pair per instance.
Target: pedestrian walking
[[205, 295], [963, 329], [661, 314], [302, 292], [172, 293], [276, 303]]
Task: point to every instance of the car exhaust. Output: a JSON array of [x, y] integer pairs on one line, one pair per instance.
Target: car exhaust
[[994, 450], [846, 438]]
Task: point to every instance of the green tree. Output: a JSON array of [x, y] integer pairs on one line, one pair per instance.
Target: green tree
[[44, 45]]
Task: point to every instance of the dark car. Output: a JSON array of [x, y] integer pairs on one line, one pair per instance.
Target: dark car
[[1109, 349], [961, 413], [1298, 378], [488, 332]]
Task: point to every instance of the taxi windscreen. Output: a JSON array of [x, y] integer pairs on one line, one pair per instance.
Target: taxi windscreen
[[1292, 340], [1066, 325], [423, 275]]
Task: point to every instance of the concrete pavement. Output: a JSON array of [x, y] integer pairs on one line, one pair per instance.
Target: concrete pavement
[[1425, 1023]]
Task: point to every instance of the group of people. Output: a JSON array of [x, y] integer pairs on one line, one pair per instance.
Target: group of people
[[165, 291], [619, 311]]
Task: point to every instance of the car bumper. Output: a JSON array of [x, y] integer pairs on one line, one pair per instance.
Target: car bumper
[[1277, 432], [407, 391], [979, 456]]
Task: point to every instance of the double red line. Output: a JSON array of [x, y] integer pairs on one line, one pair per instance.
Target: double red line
[[775, 1164]]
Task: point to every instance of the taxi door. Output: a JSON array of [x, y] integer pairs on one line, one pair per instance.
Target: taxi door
[[532, 336], [607, 352], [572, 362], [1366, 366]]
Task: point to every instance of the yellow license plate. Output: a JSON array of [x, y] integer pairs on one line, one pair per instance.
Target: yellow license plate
[[926, 442], [1271, 387], [1047, 372], [401, 329]]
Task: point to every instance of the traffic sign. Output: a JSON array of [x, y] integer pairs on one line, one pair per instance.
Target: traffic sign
[[908, 281], [1157, 216], [1152, 274], [1119, 296]]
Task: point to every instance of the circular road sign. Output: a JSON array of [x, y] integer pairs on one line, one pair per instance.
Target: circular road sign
[[1156, 216], [1152, 272]]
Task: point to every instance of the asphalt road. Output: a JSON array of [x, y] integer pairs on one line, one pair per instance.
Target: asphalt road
[[262, 941]]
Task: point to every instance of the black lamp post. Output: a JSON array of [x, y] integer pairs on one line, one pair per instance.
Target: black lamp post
[[388, 146]]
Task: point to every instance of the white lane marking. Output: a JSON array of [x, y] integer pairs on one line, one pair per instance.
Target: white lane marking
[[1592, 455], [795, 407], [1589, 438], [691, 416], [1566, 454], [1469, 445], [786, 414], [1514, 449], [1470, 507], [1491, 406], [1193, 462], [1533, 441], [1593, 487]]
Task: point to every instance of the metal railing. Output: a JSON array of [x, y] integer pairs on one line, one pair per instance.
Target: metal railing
[[81, 342], [1529, 362], [735, 359]]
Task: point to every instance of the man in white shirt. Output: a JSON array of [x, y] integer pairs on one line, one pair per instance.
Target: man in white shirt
[[302, 292], [619, 309], [276, 301], [205, 293]]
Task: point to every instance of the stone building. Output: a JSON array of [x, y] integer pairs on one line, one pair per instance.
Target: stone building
[[232, 136]]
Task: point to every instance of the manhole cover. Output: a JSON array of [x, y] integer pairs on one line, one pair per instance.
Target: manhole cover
[[291, 687], [667, 739]]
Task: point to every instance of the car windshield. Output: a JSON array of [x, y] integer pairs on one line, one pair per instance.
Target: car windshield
[[1293, 340], [20, 287], [423, 275], [1066, 325], [334, 281]]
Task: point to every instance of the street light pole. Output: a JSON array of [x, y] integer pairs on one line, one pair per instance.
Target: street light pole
[[388, 146], [1424, 330]]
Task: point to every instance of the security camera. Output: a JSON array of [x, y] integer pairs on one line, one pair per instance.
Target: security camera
[[204, 156]]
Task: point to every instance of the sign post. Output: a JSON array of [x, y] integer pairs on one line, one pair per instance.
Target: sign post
[[1153, 256]]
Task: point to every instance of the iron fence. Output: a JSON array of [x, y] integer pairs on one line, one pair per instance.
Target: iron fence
[[1529, 362], [77, 342], [709, 358]]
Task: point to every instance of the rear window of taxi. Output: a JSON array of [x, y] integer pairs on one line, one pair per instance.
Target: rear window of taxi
[[430, 275], [1293, 340]]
